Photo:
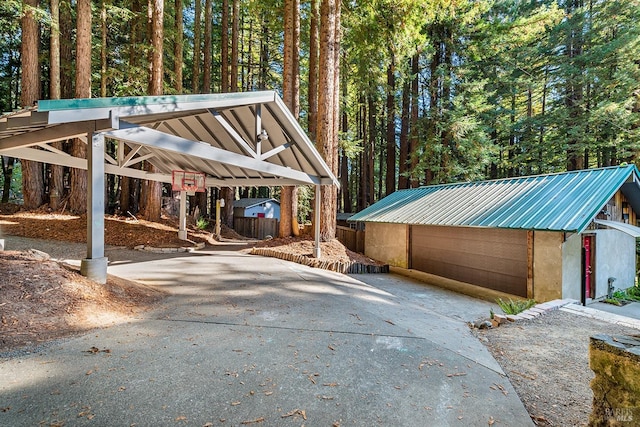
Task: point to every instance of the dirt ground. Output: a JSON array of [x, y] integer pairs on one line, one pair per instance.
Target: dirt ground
[[547, 361], [41, 300]]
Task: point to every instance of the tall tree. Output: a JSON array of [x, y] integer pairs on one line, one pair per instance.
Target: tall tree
[[291, 93], [224, 48], [78, 196], [154, 188], [197, 45], [235, 40], [32, 175], [228, 193], [327, 139], [56, 181], [314, 39], [178, 51], [206, 77]]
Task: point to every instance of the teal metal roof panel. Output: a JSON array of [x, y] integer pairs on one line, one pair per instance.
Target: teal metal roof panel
[[557, 202]]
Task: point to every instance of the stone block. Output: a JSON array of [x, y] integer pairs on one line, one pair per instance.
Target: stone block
[[616, 386], [500, 318]]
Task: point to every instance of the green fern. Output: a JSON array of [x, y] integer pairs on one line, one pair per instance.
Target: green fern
[[515, 306]]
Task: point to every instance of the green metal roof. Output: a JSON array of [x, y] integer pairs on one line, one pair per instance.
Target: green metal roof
[[557, 202]]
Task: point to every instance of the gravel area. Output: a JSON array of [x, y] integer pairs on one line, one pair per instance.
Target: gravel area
[[547, 361]]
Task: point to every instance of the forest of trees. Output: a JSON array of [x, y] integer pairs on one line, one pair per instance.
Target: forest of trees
[[416, 92]]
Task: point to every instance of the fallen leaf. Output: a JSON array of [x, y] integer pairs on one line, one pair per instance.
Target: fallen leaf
[[296, 412], [122, 388], [235, 403], [181, 418], [330, 384], [457, 374], [208, 425], [311, 379], [491, 421], [390, 322], [257, 420], [89, 372], [268, 393], [331, 347]]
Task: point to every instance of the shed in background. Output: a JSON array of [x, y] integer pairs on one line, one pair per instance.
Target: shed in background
[[256, 208]]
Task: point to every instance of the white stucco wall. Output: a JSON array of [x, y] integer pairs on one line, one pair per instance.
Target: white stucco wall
[[572, 267], [270, 210], [615, 257]]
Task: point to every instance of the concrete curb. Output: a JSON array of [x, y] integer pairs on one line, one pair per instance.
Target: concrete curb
[[540, 309], [169, 250], [602, 315]]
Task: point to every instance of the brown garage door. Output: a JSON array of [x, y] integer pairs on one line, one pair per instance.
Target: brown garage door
[[491, 258]]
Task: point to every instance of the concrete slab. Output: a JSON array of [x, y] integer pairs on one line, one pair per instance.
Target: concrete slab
[[247, 339]]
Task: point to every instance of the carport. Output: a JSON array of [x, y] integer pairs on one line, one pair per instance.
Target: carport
[[235, 139]]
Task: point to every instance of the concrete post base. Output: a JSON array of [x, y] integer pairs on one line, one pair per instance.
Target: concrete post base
[[1, 244], [94, 269], [182, 234], [316, 252]]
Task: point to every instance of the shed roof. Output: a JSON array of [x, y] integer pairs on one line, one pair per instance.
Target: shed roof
[[236, 139], [566, 201], [251, 202]]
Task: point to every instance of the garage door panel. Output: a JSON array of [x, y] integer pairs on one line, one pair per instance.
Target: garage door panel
[[470, 248], [490, 262], [488, 279], [491, 258]]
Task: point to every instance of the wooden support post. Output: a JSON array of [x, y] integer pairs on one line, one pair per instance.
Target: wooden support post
[[182, 231]]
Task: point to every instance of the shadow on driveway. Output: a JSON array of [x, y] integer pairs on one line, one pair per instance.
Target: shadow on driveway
[[245, 340]]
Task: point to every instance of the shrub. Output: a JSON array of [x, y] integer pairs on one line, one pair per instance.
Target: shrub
[[515, 306], [633, 293], [202, 223]]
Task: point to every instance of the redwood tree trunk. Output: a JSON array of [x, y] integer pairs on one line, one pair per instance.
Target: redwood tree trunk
[[56, 181], [197, 30], [390, 178], [177, 46], [224, 48], [291, 92], [32, 176], [78, 199], [206, 76], [313, 70], [326, 141], [154, 188]]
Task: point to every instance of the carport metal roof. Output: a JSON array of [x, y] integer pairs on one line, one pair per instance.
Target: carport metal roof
[[566, 201], [236, 139]]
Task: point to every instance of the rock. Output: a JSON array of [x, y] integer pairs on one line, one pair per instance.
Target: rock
[[483, 324], [39, 255], [500, 318]]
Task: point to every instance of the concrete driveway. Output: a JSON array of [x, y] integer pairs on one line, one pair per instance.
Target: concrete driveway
[[247, 340]]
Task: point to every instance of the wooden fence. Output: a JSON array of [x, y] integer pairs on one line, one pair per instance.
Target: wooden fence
[[257, 228], [352, 239]]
